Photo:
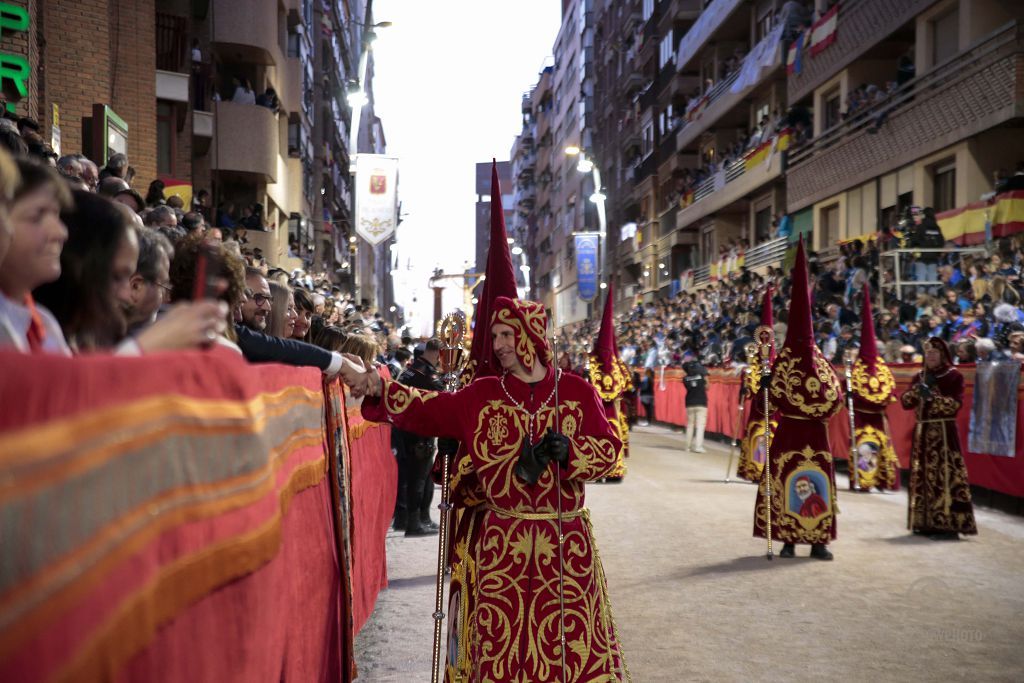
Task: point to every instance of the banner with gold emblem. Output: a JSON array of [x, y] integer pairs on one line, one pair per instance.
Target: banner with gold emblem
[[376, 197]]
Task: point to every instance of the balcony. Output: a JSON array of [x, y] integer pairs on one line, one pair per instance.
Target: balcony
[[684, 10], [976, 90], [861, 25], [768, 253], [731, 184], [758, 67], [246, 140], [700, 33], [247, 31]]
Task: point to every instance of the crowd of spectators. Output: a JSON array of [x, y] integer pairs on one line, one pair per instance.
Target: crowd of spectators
[[88, 264], [974, 302]]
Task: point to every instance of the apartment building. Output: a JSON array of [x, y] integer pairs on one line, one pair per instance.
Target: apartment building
[[483, 206], [553, 196], [534, 179], [157, 80], [716, 119], [949, 117]]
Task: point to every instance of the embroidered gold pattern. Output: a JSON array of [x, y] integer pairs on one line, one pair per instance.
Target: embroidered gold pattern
[[815, 396], [875, 387]]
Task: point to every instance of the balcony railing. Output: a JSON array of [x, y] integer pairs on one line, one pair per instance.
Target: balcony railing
[[971, 92], [246, 140], [753, 169], [702, 30], [757, 66], [767, 253], [862, 24]]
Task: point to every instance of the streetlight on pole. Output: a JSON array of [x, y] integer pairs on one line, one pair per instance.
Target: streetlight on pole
[[587, 165], [357, 99]]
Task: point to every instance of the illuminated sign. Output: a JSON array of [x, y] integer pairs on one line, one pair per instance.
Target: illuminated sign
[[14, 68]]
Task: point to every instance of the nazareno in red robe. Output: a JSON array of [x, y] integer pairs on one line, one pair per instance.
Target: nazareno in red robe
[[873, 389], [939, 496], [509, 630], [806, 393]]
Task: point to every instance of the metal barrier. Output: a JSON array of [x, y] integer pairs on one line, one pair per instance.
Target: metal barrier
[[899, 266]]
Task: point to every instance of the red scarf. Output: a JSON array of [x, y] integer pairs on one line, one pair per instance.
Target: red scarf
[[36, 334]]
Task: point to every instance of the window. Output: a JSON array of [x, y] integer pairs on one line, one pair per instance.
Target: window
[[945, 36], [665, 121], [762, 225], [648, 9], [765, 20], [761, 112], [165, 134], [829, 227], [648, 139], [665, 52], [294, 138], [831, 104], [944, 187]]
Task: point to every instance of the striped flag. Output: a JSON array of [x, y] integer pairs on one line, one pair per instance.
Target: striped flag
[[823, 32], [794, 54]]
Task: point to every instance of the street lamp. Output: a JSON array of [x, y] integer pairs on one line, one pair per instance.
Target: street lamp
[[587, 165]]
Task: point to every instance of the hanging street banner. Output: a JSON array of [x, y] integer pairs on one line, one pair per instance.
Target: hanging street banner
[[376, 197], [587, 244]]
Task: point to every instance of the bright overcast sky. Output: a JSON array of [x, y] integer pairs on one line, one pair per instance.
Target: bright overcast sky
[[448, 85]]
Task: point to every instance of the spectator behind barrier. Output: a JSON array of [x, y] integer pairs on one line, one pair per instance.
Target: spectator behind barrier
[[93, 290]]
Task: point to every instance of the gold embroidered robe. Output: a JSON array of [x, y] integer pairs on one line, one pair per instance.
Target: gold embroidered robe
[[508, 628]]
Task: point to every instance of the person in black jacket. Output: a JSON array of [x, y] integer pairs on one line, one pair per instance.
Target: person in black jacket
[[416, 453], [258, 347], [695, 380]]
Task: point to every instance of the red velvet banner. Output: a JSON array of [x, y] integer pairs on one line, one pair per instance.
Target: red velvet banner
[[172, 518], [374, 487], [997, 473]]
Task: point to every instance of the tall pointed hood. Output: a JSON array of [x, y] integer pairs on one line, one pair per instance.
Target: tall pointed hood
[[871, 380], [499, 280], [605, 350], [800, 329], [803, 384], [606, 371], [868, 341]]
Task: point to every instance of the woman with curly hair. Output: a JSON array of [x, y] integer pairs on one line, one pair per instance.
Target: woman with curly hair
[[230, 271]]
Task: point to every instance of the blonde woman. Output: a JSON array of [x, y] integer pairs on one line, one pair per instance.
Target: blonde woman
[[282, 311], [361, 345]]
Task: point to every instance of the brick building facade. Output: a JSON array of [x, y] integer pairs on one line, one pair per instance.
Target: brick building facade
[[86, 52]]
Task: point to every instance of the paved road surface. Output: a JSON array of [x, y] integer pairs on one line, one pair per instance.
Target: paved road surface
[[695, 599]]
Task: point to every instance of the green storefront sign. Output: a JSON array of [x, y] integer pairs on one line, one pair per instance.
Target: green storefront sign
[[14, 68]]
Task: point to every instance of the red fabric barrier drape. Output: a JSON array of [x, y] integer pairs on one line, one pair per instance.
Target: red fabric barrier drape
[[374, 487], [282, 616], [997, 473], [193, 539], [723, 402]]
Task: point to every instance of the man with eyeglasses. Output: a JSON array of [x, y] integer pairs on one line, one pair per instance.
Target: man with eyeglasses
[[150, 284], [256, 307], [258, 347]]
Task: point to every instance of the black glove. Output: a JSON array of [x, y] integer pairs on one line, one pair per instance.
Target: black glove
[[766, 381], [555, 446], [532, 462], [447, 446]]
